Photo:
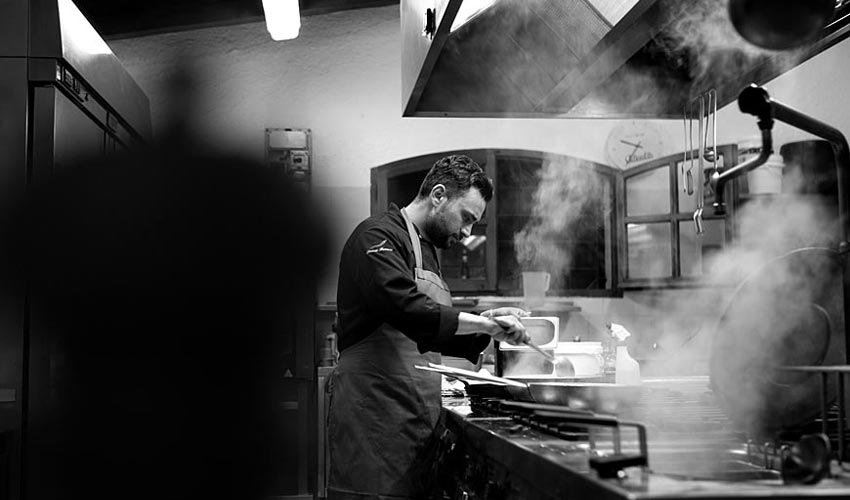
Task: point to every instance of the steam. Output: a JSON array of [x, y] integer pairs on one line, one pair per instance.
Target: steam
[[700, 33], [788, 313], [567, 189], [784, 311], [695, 49], [524, 364]]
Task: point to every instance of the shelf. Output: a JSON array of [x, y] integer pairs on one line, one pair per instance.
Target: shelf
[[552, 304], [767, 196]]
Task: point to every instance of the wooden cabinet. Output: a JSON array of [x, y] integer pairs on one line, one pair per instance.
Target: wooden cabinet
[[564, 204]]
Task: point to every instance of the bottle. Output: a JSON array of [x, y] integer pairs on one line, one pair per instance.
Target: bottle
[[609, 355], [328, 355], [626, 369]]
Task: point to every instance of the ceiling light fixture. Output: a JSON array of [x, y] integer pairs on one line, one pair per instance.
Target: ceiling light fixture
[[283, 19]]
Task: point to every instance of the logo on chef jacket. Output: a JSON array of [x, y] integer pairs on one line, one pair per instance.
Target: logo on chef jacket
[[378, 248]]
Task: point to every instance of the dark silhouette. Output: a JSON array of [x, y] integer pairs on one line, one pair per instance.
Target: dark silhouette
[[161, 288]]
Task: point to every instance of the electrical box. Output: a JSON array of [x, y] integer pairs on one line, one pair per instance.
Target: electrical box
[[288, 150]]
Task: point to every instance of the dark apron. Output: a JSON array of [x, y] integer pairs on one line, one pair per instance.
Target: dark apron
[[383, 411]]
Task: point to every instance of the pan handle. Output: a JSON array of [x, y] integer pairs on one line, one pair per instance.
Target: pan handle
[[610, 466]]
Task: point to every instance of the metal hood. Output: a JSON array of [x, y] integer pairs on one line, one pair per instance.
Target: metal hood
[[581, 58]]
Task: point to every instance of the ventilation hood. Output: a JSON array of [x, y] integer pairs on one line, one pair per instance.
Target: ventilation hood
[[581, 58]]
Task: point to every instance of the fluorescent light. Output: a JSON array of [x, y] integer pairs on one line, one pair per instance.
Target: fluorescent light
[[77, 30], [283, 19]]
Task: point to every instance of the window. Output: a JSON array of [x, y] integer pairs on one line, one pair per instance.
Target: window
[[558, 204], [660, 243]]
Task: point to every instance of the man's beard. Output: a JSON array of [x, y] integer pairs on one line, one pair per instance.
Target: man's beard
[[436, 232]]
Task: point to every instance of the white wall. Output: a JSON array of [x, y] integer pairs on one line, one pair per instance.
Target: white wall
[[342, 78], [817, 87]]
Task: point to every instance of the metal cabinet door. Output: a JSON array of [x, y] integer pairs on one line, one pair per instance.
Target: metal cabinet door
[[63, 134]]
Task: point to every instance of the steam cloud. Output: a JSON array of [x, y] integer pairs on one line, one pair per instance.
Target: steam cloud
[[700, 32], [566, 188]]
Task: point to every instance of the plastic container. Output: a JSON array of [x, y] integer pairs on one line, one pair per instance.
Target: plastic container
[[521, 360], [766, 178]]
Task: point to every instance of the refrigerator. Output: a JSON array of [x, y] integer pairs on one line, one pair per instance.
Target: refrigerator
[[63, 95]]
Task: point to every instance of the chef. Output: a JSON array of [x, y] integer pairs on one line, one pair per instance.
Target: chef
[[395, 312]]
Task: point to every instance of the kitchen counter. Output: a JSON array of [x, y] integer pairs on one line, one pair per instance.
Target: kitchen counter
[[551, 304], [504, 459]]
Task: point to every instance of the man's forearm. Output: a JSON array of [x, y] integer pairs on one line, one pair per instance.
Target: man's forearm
[[469, 324]]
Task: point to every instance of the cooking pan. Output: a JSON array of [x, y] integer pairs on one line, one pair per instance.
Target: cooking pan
[[575, 393], [787, 313]]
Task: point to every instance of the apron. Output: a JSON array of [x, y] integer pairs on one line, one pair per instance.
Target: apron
[[383, 411]]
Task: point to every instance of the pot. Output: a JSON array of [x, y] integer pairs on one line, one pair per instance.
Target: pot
[[789, 312], [576, 394]]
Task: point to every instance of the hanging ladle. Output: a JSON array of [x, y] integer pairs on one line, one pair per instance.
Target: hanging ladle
[[710, 153]]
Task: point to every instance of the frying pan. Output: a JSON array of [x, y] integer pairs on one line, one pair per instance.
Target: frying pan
[[787, 313], [577, 395]]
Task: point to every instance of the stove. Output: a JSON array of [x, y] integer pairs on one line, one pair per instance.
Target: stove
[[674, 443]]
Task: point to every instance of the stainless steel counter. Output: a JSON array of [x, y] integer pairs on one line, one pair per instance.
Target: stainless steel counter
[[497, 457]]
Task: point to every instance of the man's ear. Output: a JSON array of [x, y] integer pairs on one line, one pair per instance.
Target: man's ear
[[438, 194]]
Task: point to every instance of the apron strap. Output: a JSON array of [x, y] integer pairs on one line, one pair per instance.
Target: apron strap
[[414, 239]]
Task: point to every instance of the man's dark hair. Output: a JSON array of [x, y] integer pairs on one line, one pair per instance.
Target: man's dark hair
[[458, 173]]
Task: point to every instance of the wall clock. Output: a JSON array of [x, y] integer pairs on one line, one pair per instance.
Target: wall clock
[[633, 142]]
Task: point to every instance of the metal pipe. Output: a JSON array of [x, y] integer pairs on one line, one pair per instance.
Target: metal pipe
[[756, 101], [719, 179]]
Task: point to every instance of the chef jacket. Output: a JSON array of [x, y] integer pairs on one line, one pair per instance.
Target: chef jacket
[[377, 285]]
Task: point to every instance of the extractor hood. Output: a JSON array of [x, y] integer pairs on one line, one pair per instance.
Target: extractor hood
[[581, 58]]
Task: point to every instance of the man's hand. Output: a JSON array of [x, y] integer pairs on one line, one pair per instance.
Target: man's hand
[[503, 326], [505, 311], [511, 330]]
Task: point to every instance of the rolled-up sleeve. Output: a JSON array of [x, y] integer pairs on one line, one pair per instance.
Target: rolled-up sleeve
[[386, 281]]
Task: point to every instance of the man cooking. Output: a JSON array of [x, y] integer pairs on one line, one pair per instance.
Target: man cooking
[[394, 313]]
